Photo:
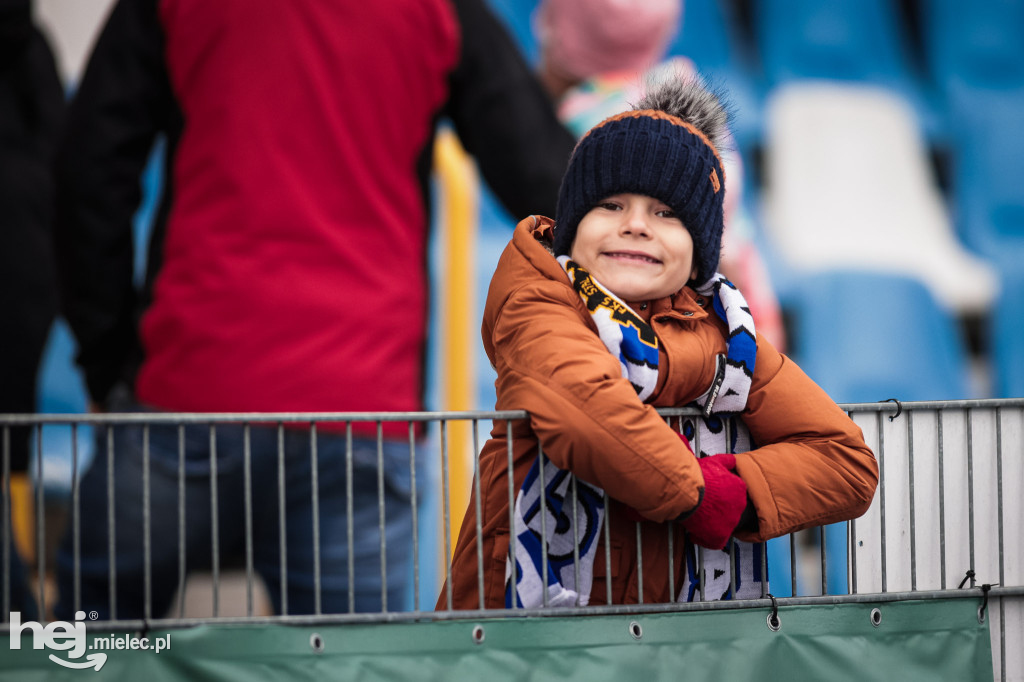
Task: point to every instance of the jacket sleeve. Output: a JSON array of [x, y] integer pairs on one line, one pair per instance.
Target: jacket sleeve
[[121, 105], [813, 466], [586, 416], [15, 29], [504, 118], [31, 110]]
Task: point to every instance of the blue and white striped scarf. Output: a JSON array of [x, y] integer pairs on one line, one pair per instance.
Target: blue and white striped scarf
[[575, 509]]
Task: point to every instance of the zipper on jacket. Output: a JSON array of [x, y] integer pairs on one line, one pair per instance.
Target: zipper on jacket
[[716, 385]]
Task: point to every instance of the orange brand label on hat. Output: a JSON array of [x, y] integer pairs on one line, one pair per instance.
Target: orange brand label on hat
[[714, 181]]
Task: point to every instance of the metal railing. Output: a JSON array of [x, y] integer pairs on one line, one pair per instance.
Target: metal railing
[[946, 520]]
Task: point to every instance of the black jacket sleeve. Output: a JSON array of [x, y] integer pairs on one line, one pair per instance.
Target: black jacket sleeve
[[504, 118], [123, 102], [31, 109], [15, 30]]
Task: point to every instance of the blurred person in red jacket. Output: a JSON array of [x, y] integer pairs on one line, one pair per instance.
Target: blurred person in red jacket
[[287, 273]]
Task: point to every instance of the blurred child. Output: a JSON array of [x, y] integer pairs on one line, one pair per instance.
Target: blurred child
[[595, 319], [595, 56]]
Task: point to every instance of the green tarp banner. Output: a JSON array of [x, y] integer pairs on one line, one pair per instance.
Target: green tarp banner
[[914, 640]]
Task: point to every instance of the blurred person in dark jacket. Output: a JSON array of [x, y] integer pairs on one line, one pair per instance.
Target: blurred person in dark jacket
[[31, 108]]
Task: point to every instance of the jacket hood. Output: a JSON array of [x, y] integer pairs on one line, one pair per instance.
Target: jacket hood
[[527, 254]]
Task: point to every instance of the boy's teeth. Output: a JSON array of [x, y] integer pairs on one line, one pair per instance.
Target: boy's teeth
[[637, 257]]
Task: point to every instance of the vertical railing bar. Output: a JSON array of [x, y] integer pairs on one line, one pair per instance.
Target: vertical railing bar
[[214, 520], [111, 525], [76, 528], [639, 564], [514, 585], [727, 427], [823, 555], [282, 519], [999, 527], [181, 520], [543, 525], [607, 548], [699, 550], [881, 494], [732, 568], [700, 571], [315, 482], [942, 499], [413, 507], [479, 515], [381, 519], [670, 529], [40, 521], [350, 527], [913, 508], [999, 493], [5, 490], [250, 573], [764, 569], [147, 549], [851, 543], [446, 512], [792, 563], [576, 541], [970, 491], [696, 436]]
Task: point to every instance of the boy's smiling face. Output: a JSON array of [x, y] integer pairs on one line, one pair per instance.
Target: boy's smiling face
[[636, 247]]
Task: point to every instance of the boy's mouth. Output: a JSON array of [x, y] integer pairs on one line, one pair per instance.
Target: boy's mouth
[[632, 256]]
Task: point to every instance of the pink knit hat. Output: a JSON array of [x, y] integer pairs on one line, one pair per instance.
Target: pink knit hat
[[582, 38]]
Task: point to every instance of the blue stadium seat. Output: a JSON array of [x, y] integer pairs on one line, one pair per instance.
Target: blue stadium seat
[[707, 36], [1007, 334], [866, 337], [843, 39], [970, 45], [848, 40], [988, 194]]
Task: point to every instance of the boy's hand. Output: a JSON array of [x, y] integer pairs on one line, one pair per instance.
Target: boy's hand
[[725, 497]]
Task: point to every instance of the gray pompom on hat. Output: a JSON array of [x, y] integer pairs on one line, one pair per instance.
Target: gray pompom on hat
[[666, 147]]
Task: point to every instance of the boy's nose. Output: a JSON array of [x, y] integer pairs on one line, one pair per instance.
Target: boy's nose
[[635, 223]]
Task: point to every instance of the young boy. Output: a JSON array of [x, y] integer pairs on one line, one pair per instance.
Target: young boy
[[594, 320]]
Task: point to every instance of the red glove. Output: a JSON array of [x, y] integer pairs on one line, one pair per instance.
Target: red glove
[[725, 497]]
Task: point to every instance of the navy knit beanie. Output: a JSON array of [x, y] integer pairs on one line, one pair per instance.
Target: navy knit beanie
[[666, 148]]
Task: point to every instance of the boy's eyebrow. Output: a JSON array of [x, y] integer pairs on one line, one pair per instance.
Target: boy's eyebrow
[[657, 114]]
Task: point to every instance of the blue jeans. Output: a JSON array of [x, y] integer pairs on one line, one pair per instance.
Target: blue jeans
[[219, 501]]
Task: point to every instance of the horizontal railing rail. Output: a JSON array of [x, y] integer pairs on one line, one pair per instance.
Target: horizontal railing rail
[[945, 523]]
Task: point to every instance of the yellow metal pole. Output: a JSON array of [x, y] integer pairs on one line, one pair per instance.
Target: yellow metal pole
[[459, 201], [23, 520]]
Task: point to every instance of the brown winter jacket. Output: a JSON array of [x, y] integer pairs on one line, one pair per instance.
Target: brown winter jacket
[[812, 466]]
